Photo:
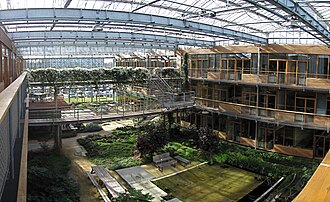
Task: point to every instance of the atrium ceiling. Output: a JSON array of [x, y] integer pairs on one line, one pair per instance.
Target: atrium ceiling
[[61, 28]]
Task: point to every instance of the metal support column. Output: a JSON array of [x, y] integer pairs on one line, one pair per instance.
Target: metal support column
[[257, 101]]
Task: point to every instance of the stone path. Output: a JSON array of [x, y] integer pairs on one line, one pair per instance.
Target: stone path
[[79, 166], [138, 178]]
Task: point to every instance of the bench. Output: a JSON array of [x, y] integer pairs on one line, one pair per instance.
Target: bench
[[182, 160], [161, 158], [98, 187], [110, 183], [164, 164]]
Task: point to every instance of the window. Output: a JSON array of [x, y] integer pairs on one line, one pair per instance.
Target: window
[[266, 136], [306, 105], [234, 130], [323, 66], [217, 61], [248, 129]]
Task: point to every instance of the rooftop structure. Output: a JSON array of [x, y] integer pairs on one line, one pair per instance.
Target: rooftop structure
[[259, 70]]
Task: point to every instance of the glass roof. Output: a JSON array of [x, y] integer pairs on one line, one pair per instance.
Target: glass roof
[[261, 18]]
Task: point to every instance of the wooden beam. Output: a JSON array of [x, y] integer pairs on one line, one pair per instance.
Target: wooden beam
[[22, 184]]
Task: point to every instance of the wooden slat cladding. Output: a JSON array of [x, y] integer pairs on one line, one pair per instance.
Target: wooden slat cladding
[[272, 48], [250, 78], [247, 142], [6, 40], [318, 83], [293, 151]]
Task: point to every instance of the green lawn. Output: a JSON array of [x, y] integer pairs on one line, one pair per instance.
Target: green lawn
[[87, 99], [210, 183]]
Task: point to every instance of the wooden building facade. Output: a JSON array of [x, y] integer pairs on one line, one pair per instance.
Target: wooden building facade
[[11, 65], [147, 62], [274, 97]]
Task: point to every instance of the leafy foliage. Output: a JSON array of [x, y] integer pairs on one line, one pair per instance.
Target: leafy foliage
[[126, 131], [296, 170], [208, 142], [134, 195], [154, 137], [185, 70], [117, 74], [111, 151], [188, 152], [48, 180], [92, 127]]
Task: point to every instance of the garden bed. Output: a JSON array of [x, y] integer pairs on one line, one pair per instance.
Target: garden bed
[[114, 152], [48, 179]]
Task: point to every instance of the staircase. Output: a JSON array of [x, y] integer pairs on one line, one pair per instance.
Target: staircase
[[167, 96]]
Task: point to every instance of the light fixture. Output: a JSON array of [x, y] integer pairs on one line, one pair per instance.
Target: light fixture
[[97, 28]]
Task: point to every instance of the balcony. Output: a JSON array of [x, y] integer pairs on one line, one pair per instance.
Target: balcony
[[264, 77], [279, 116]]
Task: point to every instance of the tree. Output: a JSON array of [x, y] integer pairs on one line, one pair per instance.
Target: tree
[[208, 143], [154, 137], [185, 71], [96, 77]]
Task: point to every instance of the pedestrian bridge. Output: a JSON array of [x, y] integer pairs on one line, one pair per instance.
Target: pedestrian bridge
[[86, 115]]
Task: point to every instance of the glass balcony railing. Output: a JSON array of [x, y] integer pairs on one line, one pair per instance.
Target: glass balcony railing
[[270, 114], [271, 77]]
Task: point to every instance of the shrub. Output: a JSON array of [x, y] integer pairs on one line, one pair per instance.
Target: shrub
[[92, 127], [113, 152], [296, 170], [155, 136], [48, 179], [117, 162], [69, 134], [134, 195], [176, 148], [126, 131]]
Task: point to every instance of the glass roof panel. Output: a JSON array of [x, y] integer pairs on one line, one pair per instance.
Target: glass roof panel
[[257, 17]]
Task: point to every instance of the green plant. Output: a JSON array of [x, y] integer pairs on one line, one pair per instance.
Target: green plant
[[176, 148], [296, 170], [48, 179], [92, 127], [134, 195], [111, 151], [154, 137], [208, 143], [184, 68]]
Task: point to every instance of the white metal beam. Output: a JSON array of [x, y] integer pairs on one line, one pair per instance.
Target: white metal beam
[[18, 37], [303, 16], [42, 14]]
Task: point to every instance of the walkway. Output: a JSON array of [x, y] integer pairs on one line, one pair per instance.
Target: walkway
[[79, 166], [139, 179], [68, 118]]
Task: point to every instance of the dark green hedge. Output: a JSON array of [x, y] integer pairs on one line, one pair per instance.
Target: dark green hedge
[[48, 179]]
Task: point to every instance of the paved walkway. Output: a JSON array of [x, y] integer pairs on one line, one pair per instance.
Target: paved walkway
[[79, 166], [139, 179]]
